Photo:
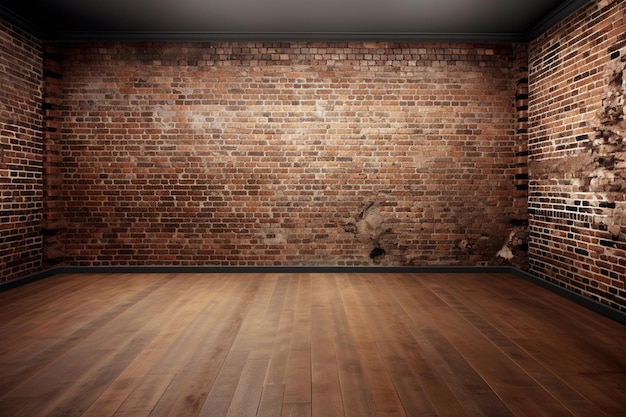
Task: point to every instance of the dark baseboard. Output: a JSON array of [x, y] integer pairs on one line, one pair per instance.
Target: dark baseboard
[[587, 302], [216, 269], [164, 269], [46, 273], [591, 304]]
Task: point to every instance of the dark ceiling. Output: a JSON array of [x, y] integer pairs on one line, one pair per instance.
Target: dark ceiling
[[464, 20]]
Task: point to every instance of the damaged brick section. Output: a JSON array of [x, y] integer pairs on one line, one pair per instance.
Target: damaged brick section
[[577, 155], [607, 147], [609, 152], [515, 250], [611, 219], [369, 226]]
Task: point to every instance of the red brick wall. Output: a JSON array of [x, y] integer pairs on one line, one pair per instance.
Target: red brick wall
[[578, 175], [289, 153], [21, 186]]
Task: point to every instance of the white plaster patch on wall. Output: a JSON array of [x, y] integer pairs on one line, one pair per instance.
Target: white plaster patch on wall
[[506, 252]]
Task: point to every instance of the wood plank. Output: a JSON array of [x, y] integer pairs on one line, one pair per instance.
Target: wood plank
[[513, 345], [271, 404], [253, 326], [297, 410], [267, 329], [27, 298], [127, 394], [361, 317], [326, 390], [88, 361], [416, 306], [212, 343], [150, 323], [304, 344], [298, 372], [507, 379], [247, 396], [220, 397], [140, 401], [414, 400], [277, 371], [421, 388], [554, 358], [63, 317], [357, 401]]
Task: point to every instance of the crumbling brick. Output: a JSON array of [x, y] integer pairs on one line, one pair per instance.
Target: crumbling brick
[[577, 154]]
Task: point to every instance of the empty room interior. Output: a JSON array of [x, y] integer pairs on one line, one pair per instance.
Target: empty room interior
[[334, 208]]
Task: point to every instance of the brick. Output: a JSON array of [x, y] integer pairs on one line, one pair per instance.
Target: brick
[[304, 137], [572, 178], [21, 154]]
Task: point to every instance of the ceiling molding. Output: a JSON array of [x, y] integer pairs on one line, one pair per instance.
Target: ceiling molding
[[288, 37], [21, 22], [546, 23], [555, 17]]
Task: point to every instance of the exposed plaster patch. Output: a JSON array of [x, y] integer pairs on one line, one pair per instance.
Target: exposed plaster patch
[[274, 238], [603, 168], [464, 245], [370, 221], [515, 249], [506, 252], [612, 220], [369, 225], [604, 3], [608, 147]]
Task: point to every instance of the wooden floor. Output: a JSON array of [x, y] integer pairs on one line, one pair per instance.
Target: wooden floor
[[328, 345]]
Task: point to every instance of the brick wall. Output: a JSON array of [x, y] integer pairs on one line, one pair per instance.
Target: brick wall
[[21, 186], [289, 153], [577, 190]]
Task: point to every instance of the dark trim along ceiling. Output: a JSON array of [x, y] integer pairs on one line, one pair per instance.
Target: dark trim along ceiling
[[238, 20]]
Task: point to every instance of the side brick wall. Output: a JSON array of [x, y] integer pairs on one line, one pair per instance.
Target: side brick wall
[[577, 203], [290, 153], [21, 150]]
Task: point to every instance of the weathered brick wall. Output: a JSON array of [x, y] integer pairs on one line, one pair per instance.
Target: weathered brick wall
[[21, 184], [54, 203], [289, 153], [577, 166]]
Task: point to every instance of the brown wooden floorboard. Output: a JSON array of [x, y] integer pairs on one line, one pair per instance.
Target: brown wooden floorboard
[[314, 345]]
